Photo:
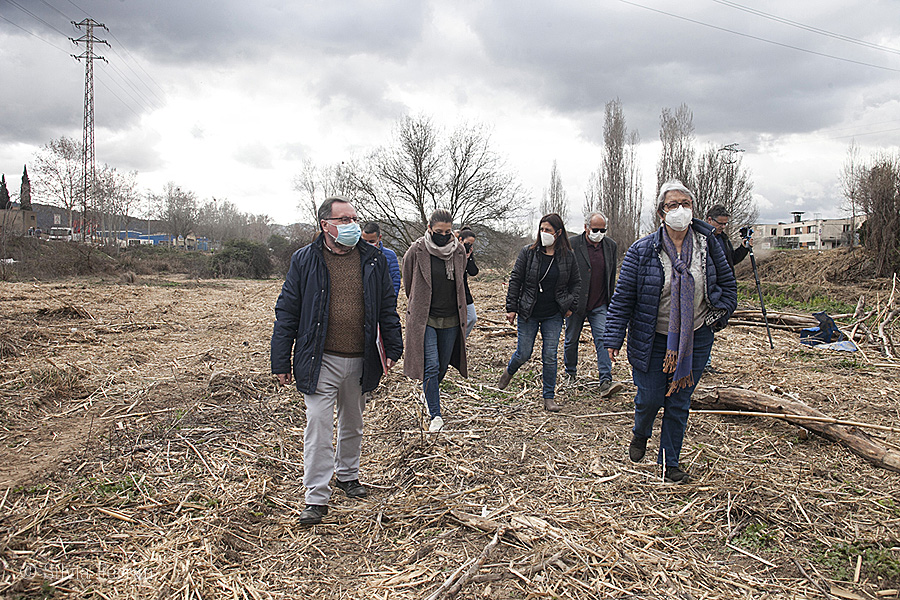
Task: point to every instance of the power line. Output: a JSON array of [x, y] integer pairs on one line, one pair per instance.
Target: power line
[[797, 24], [17, 26], [37, 18], [760, 39]]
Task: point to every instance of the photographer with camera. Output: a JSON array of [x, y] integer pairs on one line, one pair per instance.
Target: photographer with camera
[[718, 216]]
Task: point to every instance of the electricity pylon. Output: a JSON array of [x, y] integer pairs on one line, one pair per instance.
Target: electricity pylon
[[89, 164]]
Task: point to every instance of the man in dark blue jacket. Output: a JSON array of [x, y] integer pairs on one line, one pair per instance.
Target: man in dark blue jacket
[[337, 295], [372, 233]]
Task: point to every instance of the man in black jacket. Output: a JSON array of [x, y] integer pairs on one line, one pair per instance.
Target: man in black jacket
[[337, 295], [595, 255], [718, 216]]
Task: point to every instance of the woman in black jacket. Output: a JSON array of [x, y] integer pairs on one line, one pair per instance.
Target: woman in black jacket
[[543, 289]]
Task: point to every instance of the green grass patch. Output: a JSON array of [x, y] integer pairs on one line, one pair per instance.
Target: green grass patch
[[795, 297], [877, 560], [755, 536]]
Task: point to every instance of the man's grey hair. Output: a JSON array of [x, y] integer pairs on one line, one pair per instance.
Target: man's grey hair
[[592, 214], [324, 211], [672, 186]]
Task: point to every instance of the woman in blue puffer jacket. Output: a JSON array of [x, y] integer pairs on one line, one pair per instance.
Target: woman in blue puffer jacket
[[674, 289]]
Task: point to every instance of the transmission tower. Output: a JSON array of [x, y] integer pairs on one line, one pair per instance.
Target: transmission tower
[[89, 163]]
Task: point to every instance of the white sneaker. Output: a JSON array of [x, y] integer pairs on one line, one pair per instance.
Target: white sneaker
[[437, 424]]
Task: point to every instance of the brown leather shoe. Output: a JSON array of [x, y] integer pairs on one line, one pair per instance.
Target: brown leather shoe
[[551, 405], [504, 380]]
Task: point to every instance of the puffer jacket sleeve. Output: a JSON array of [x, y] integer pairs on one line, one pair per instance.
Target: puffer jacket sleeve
[[287, 318], [622, 305], [388, 319], [516, 281]]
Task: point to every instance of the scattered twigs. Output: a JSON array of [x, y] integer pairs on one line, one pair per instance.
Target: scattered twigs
[[473, 569], [797, 417]]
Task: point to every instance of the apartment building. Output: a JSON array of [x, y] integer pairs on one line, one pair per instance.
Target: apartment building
[[811, 234]]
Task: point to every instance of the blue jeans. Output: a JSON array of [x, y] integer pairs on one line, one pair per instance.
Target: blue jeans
[[550, 328], [574, 325], [471, 317], [438, 348], [651, 396]]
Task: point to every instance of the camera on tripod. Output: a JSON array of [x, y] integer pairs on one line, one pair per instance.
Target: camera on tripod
[[746, 233]]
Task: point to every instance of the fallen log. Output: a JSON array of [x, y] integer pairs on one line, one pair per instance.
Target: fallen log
[[855, 440]]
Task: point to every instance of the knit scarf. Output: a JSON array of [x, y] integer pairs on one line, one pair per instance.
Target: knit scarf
[[445, 252], [680, 337]]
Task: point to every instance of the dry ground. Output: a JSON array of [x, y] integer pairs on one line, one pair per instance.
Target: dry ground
[[147, 453]]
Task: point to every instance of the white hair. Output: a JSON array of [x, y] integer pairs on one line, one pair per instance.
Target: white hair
[[672, 186]]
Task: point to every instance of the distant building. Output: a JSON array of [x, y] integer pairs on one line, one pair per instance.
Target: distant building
[[14, 221], [813, 234]]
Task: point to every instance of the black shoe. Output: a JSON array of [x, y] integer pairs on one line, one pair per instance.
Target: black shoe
[[710, 370], [353, 488], [676, 475], [312, 514], [637, 448]]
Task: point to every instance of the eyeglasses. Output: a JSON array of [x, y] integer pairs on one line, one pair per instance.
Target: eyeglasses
[[674, 205], [345, 220], [596, 229], [720, 223]]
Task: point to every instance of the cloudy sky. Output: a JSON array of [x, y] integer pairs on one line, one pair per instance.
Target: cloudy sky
[[227, 97]]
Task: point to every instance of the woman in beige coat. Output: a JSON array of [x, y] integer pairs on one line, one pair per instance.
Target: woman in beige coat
[[433, 270]]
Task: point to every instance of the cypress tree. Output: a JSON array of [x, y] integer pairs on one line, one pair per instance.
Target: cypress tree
[[25, 190], [5, 204]]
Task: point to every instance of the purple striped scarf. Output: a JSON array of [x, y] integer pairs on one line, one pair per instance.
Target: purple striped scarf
[[680, 339]]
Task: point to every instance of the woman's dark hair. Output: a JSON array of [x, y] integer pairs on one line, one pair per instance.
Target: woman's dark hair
[[440, 216], [465, 233], [562, 238]]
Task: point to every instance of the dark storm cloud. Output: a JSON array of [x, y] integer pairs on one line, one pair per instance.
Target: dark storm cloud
[[577, 56], [222, 32]]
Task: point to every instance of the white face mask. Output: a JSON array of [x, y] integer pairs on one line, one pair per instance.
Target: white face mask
[[596, 237], [547, 239], [679, 219]]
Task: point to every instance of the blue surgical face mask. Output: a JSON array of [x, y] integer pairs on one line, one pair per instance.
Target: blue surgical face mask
[[348, 234]]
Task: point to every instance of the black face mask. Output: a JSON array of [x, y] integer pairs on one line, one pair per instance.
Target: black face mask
[[468, 247], [440, 239]]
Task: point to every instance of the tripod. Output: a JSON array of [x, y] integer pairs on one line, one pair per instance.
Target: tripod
[[746, 233]]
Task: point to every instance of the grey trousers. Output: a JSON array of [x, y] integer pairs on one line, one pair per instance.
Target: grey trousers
[[339, 384]]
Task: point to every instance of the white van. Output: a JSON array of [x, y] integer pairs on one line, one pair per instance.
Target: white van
[[62, 234]]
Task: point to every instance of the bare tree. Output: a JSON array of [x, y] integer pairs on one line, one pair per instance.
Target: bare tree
[[177, 209], [722, 179], [58, 173], [401, 184], [116, 197], [676, 132], [555, 199], [620, 193], [879, 199], [850, 183], [317, 183]]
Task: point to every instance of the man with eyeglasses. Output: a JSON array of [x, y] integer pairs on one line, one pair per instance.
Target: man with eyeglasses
[[718, 216], [336, 295], [595, 256]]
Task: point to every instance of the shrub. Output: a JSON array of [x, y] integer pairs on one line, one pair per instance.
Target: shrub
[[243, 258]]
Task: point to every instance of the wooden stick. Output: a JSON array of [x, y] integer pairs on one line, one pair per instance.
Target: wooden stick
[[832, 420]]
